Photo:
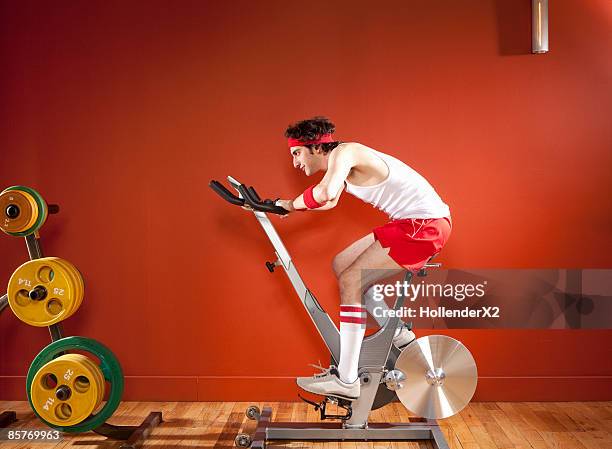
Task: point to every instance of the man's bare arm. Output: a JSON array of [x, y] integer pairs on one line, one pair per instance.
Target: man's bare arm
[[341, 161], [299, 204]]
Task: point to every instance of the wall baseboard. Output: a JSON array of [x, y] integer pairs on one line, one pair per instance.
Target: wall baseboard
[[212, 388]]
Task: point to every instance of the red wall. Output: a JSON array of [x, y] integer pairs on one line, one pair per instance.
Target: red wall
[[122, 112]]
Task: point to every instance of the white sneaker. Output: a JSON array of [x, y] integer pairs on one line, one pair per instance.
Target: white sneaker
[[328, 383], [403, 338]]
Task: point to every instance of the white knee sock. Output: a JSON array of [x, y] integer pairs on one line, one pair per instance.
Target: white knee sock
[[352, 330], [382, 307]]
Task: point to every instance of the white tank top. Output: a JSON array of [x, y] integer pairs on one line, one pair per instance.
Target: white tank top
[[404, 194]]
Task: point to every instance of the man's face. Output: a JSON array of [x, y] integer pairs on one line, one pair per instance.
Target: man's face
[[306, 161]]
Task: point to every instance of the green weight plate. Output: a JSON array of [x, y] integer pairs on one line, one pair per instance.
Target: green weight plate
[[42, 210], [108, 364]]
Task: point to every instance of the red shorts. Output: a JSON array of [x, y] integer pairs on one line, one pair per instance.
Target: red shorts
[[412, 241]]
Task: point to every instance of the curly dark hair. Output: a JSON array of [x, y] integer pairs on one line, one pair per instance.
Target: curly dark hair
[[311, 129]]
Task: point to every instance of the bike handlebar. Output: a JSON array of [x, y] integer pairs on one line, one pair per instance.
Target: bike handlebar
[[249, 198]]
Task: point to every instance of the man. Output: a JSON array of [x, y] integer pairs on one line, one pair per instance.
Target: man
[[420, 226]]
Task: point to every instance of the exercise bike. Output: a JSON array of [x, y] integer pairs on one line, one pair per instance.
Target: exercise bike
[[434, 376]]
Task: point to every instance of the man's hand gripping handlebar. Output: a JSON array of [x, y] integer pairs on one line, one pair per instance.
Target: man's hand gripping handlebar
[[248, 198]]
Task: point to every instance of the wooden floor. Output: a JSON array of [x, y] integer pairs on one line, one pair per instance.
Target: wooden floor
[[487, 425]]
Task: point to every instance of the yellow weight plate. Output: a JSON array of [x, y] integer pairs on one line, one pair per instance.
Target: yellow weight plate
[[77, 278], [35, 210], [58, 292], [61, 289], [66, 390], [100, 379], [45, 213], [80, 284], [72, 278], [78, 358], [26, 210], [98, 376]]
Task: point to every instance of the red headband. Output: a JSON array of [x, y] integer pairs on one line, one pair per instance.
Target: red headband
[[325, 138]]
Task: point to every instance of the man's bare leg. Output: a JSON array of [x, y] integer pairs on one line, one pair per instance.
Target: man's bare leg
[[371, 265], [346, 258]]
